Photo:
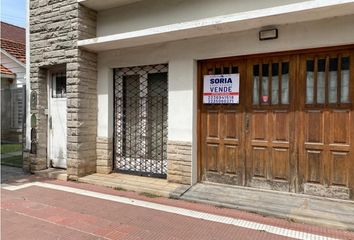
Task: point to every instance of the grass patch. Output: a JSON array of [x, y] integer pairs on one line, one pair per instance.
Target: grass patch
[[149, 195], [15, 161], [11, 147]]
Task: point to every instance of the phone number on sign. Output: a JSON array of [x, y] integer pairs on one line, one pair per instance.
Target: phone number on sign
[[220, 99]]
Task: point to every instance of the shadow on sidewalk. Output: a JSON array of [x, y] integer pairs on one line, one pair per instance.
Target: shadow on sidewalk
[[11, 173]]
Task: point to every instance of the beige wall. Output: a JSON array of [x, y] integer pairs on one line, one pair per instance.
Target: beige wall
[[153, 13]]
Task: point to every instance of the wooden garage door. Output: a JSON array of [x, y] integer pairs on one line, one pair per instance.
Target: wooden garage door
[[222, 136], [326, 124], [270, 161], [293, 129]]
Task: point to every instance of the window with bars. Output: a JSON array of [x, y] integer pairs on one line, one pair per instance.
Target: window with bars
[[141, 107], [327, 80], [271, 83]]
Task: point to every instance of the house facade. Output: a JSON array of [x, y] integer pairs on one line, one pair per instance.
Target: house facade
[[257, 93], [13, 81]]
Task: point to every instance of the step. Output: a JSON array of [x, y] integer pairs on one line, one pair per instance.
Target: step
[[53, 173], [301, 208]]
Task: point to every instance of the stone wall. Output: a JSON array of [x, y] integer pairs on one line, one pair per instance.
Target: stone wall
[[104, 155], [39, 85], [55, 27], [179, 162]]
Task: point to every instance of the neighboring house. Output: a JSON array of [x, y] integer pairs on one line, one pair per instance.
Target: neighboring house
[[151, 88], [13, 70]]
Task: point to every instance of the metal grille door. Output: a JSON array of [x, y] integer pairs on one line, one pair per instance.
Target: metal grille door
[[141, 120]]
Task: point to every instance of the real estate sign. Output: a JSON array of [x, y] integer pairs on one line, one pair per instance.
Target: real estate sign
[[221, 89]]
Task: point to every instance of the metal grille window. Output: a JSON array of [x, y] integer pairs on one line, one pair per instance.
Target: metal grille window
[[141, 101]]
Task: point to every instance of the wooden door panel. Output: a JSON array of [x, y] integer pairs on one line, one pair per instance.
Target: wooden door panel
[[232, 125], [314, 127], [271, 83], [281, 130], [340, 163], [326, 144], [314, 167], [213, 124], [231, 159], [280, 163], [260, 157], [259, 126], [212, 157], [340, 127]]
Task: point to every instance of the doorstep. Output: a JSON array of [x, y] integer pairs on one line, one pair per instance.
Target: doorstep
[[294, 207], [53, 173], [145, 185]]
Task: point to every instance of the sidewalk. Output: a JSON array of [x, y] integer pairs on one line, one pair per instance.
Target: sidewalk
[[10, 173], [52, 209], [334, 213]]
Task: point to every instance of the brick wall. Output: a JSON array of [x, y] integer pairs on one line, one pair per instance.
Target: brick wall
[[55, 27]]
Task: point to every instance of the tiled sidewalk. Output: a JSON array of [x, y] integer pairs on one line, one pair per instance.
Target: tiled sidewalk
[[45, 213]]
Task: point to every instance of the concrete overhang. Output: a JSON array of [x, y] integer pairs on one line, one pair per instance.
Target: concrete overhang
[[286, 14], [100, 5]]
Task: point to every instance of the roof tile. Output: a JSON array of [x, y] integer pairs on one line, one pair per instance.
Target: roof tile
[[13, 33], [5, 70], [18, 50]]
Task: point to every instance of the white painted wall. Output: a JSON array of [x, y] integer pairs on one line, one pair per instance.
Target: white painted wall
[[181, 74], [183, 55], [105, 102], [153, 13]]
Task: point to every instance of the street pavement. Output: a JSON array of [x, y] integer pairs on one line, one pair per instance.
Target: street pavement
[[38, 208]]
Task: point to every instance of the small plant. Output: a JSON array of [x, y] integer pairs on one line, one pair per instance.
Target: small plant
[[149, 195], [119, 189]]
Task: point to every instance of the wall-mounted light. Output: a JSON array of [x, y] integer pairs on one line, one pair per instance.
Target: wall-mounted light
[[268, 34]]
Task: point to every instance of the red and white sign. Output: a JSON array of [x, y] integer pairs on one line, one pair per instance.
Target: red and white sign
[[221, 89]]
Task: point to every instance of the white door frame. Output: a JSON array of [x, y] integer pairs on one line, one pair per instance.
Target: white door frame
[[48, 112]]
